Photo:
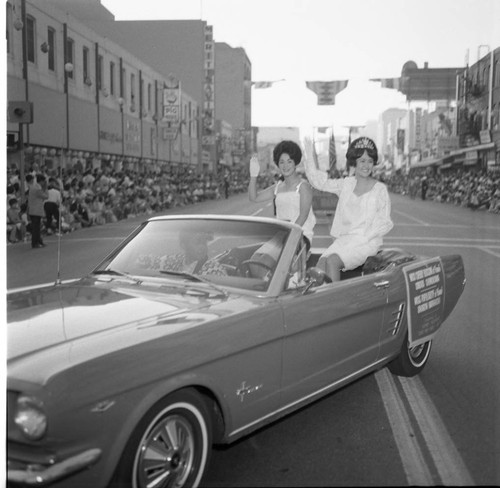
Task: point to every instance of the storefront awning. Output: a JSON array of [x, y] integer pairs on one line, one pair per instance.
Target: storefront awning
[[478, 147], [426, 163]]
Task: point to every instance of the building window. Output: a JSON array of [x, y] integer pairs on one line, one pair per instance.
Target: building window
[[86, 55], [150, 102], [70, 55], [51, 42], [496, 74], [112, 78], [99, 71], [8, 26], [132, 90], [30, 38], [141, 94], [189, 120], [123, 84]]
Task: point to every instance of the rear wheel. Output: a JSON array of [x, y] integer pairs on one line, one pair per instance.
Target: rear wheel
[[170, 447], [411, 360]]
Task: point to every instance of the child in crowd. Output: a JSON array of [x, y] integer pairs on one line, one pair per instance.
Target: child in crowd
[[15, 225]]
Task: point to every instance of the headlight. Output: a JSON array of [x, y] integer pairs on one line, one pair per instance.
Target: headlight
[[30, 417]]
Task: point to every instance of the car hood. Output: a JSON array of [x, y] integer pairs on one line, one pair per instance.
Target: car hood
[[77, 321]]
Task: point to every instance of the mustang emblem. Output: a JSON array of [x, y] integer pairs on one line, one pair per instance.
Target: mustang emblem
[[245, 390]]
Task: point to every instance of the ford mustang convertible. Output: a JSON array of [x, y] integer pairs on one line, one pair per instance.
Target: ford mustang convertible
[[195, 331]]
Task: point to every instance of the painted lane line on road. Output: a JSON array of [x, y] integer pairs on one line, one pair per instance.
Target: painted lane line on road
[[411, 217], [447, 459], [453, 239], [414, 465], [448, 244], [447, 226], [428, 242], [84, 239], [485, 249]]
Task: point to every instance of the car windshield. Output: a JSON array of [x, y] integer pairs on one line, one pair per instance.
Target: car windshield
[[241, 254]]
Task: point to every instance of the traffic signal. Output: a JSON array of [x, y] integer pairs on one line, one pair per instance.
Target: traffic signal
[[20, 112]]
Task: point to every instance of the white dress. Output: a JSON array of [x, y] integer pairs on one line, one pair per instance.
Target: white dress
[[288, 208], [360, 222]]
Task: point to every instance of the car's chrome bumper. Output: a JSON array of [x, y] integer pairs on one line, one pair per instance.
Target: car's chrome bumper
[[40, 475]]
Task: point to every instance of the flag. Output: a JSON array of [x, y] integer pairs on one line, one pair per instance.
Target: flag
[[264, 84], [393, 83], [326, 90], [315, 155], [332, 153]]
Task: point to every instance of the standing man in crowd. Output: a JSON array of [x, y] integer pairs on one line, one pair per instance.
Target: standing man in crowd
[[424, 187], [51, 206], [36, 198]]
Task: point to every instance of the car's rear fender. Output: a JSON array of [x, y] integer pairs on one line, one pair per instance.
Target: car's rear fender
[[454, 272]]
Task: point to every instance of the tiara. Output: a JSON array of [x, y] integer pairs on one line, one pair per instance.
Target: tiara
[[364, 143]]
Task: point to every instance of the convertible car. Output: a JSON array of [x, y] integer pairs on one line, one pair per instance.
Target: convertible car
[[195, 331]]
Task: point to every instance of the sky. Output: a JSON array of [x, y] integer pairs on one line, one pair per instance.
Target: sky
[[308, 40]]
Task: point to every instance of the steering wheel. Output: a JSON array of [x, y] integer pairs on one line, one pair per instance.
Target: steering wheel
[[245, 265]]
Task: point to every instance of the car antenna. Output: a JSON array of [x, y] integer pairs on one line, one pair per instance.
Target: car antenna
[[59, 233], [58, 279]]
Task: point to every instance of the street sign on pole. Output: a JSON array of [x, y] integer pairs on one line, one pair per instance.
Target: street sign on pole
[[170, 132], [172, 100]]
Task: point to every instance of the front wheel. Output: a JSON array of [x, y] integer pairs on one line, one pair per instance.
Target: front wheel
[[170, 447], [411, 360]]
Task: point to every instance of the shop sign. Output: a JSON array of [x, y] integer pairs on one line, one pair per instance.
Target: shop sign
[[418, 127], [170, 132], [471, 156], [425, 288], [111, 137], [208, 112], [205, 157], [447, 144], [172, 100], [484, 136]]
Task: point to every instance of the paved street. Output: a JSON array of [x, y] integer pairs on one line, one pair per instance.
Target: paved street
[[439, 428]]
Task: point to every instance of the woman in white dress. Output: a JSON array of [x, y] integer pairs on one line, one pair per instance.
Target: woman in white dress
[[363, 214], [293, 196]]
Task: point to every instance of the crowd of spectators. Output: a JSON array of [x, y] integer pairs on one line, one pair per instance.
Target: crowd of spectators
[[472, 189], [81, 198], [98, 196]]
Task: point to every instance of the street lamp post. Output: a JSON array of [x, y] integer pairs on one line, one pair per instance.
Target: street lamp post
[[121, 101]]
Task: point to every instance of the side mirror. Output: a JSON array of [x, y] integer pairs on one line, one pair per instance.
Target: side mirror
[[316, 277]]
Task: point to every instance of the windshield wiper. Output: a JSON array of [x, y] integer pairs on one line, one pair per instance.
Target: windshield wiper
[[193, 277], [115, 272]]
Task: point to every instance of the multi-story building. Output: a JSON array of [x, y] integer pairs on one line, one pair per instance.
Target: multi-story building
[[183, 50], [478, 115], [449, 134], [391, 124], [233, 97], [94, 103], [102, 91]]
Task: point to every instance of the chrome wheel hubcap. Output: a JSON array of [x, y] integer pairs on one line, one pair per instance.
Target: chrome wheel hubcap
[[167, 454]]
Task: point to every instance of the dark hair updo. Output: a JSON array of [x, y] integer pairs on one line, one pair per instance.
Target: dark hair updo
[[358, 147], [287, 147]]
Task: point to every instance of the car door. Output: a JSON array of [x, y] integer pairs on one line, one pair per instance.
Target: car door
[[331, 332]]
